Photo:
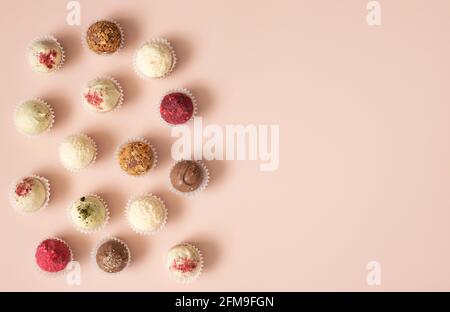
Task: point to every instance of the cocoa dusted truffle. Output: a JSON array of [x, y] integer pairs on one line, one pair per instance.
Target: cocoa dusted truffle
[[104, 37], [112, 255], [186, 176]]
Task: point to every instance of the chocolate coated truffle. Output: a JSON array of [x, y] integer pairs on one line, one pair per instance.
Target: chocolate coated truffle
[[186, 176], [104, 37], [112, 256], [136, 158]]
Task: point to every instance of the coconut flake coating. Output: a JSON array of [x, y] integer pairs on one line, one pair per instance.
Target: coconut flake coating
[[146, 213], [154, 59], [77, 151]]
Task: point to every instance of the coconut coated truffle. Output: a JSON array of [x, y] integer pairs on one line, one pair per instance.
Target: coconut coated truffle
[[146, 213], [77, 151]]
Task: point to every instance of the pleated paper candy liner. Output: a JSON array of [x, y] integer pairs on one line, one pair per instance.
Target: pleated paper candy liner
[[46, 184], [53, 274], [188, 278], [122, 37], [51, 39], [101, 242], [93, 158], [178, 90], [131, 140], [52, 113], [144, 232], [87, 106], [152, 41], [201, 187], [84, 230]]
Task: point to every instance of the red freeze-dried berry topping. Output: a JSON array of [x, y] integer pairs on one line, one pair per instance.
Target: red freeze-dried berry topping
[[94, 98], [184, 264], [52, 255], [176, 108], [24, 187], [48, 59]]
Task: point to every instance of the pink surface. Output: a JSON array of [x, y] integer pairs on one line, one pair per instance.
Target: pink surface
[[364, 121]]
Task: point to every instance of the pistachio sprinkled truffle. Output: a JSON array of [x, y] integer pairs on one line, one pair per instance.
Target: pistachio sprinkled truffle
[[30, 194], [184, 262], [112, 256], [146, 214], [154, 59], [45, 55], [53, 255], [102, 95], [104, 37], [88, 213], [136, 158], [77, 151], [186, 176], [33, 117]]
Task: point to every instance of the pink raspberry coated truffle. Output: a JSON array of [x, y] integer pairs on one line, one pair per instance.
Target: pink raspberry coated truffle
[[52, 255], [176, 108]]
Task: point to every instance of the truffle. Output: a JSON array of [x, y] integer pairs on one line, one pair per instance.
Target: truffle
[[185, 262], [155, 59], [88, 213], [53, 255], [176, 108], [45, 55], [112, 256], [102, 95], [186, 176], [30, 194], [136, 157], [77, 151], [104, 37], [33, 117], [146, 214]]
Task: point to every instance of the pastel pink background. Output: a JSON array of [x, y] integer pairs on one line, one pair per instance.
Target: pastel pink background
[[364, 115]]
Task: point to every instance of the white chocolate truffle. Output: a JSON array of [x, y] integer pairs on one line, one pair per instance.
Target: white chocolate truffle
[[184, 262], [102, 95], [45, 55], [88, 213], [33, 117], [77, 151], [146, 214], [30, 194], [154, 59]]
